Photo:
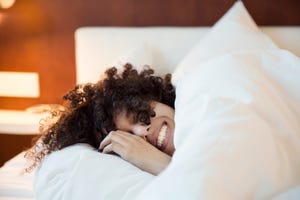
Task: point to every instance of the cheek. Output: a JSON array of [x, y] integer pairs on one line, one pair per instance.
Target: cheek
[[156, 121], [166, 112], [171, 147]]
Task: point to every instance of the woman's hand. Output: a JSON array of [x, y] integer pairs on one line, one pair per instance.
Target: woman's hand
[[135, 150]]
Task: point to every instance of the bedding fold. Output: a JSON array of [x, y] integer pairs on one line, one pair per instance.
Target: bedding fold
[[242, 136], [80, 172]]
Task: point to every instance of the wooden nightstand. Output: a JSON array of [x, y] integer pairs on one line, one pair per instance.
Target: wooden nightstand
[[17, 129]]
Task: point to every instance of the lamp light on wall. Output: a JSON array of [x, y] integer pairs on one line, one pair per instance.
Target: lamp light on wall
[[6, 3], [19, 84]]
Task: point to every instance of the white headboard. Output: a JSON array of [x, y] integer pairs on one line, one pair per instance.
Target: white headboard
[[98, 47]]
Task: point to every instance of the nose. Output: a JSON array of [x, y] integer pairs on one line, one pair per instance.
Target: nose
[[141, 130]]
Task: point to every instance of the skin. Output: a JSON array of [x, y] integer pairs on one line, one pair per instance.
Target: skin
[[136, 142]]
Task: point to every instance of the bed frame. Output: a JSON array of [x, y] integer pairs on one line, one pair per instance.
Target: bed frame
[[169, 45]]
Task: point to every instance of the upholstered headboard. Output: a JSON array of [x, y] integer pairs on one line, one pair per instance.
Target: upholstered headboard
[[100, 47]]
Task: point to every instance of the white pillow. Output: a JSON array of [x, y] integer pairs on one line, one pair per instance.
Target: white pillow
[[237, 133], [140, 57], [234, 32], [80, 172]]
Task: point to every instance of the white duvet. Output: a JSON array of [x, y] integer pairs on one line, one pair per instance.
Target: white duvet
[[14, 184], [242, 136], [80, 172]]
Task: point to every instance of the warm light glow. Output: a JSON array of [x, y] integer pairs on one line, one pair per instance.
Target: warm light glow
[[1, 17], [6, 3], [19, 84]]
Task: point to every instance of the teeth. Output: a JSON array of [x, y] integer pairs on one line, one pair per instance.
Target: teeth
[[162, 135]]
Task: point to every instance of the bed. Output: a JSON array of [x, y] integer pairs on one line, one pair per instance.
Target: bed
[[239, 85]]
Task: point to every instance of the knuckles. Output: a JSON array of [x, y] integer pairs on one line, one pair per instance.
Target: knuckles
[[113, 134]]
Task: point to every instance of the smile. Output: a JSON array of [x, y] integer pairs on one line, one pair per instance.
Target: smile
[[162, 136]]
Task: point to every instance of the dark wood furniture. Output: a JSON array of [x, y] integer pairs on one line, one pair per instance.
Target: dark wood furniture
[[11, 145]]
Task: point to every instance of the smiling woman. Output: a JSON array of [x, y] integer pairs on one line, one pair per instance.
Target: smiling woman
[[130, 114], [135, 141], [160, 130]]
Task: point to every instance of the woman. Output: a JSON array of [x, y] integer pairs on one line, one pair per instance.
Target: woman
[[130, 114]]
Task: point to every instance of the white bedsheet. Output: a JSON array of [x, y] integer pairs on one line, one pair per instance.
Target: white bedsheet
[[15, 185]]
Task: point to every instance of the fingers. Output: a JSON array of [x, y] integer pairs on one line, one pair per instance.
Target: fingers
[[122, 143], [119, 137], [112, 147], [105, 141], [113, 143], [135, 150]]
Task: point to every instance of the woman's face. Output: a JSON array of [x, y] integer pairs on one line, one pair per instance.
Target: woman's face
[[159, 132]]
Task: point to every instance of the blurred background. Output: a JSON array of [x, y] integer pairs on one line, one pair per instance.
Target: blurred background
[[37, 36]]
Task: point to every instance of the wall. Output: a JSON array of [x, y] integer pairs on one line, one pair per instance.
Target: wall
[[38, 35]]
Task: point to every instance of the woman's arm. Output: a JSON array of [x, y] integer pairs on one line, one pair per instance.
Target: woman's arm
[[135, 150]]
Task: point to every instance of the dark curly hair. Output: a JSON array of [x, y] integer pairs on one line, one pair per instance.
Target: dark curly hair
[[91, 108]]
